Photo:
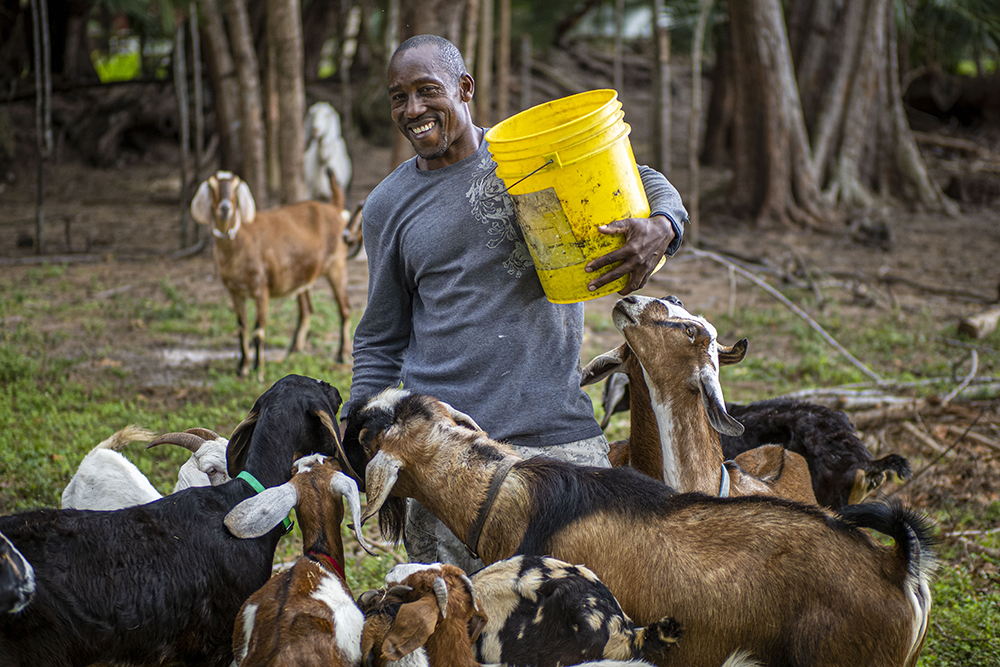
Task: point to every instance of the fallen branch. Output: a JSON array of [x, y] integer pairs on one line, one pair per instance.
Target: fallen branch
[[926, 439], [891, 279], [980, 548], [954, 143], [977, 438], [964, 383], [763, 284]]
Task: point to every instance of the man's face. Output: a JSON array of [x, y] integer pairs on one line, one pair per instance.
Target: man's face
[[429, 107]]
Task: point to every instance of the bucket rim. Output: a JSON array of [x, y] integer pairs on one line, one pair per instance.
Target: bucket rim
[[503, 174], [582, 120]]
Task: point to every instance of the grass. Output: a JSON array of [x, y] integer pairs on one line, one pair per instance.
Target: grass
[[62, 391]]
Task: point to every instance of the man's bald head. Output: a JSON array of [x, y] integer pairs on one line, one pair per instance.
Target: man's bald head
[[447, 56]]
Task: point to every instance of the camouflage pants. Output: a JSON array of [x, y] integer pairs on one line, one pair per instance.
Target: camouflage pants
[[427, 540]]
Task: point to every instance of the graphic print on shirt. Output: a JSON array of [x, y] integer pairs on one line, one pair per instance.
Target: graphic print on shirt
[[491, 205]]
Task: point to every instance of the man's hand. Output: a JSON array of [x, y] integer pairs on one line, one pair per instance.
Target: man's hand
[[645, 242]]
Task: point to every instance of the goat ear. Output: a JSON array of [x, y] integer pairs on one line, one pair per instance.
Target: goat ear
[[461, 418], [477, 624], [715, 405], [600, 367], [257, 515], [201, 205], [247, 206], [239, 444], [734, 354], [380, 477], [413, 626]]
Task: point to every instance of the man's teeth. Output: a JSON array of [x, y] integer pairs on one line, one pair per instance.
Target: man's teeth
[[423, 128]]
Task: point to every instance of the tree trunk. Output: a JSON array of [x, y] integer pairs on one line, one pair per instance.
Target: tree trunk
[[483, 101], [225, 87], [320, 22], [773, 178], [251, 122], [717, 135], [283, 17], [503, 62]]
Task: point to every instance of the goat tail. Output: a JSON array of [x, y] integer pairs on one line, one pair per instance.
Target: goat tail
[[130, 433], [912, 532], [338, 197]]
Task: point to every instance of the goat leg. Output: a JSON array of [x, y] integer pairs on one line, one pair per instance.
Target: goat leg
[[240, 308], [336, 275], [263, 302], [302, 326]]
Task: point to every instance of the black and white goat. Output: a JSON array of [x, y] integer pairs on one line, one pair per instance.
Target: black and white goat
[[106, 480], [17, 578], [304, 616], [162, 583], [830, 593], [539, 611], [440, 614]]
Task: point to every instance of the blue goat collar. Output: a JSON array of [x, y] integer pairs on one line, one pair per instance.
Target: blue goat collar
[[258, 487]]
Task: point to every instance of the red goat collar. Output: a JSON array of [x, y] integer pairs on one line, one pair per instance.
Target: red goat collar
[[326, 558]]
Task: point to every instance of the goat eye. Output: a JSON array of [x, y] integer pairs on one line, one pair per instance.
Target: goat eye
[[689, 331]]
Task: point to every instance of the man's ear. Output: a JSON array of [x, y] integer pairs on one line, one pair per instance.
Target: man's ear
[[467, 87]]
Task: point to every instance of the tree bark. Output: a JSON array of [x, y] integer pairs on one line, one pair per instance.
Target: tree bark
[[773, 177], [251, 123], [483, 100], [225, 87], [320, 22], [283, 17]]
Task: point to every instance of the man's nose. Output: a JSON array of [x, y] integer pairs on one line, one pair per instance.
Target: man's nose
[[414, 106]]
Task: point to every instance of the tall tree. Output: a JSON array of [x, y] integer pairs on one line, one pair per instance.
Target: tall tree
[[251, 115], [285, 28], [225, 87], [832, 134]]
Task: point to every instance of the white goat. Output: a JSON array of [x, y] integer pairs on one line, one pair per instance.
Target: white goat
[[325, 149], [106, 480], [17, 578]]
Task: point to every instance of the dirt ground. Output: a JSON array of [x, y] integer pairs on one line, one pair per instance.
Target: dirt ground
[[118, 228]]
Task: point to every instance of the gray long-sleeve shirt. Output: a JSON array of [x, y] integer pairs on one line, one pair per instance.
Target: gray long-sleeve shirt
[[455, 309]]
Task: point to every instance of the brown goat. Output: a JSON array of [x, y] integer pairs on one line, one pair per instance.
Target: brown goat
[[788, 582], [304, 616], [672, 359], [274, 254]]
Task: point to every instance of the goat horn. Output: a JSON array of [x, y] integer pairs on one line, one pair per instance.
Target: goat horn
[[441, 593], [348, 488], [188, 441], [461, 418], [381, 476], [325, 419], [472, 591], [206, 433]]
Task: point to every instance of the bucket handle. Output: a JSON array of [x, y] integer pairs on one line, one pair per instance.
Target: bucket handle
[[552, 158]]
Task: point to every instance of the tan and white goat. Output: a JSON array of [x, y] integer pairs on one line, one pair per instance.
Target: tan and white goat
[[306, 615], [785, 581], [672, 360], [272, 254]]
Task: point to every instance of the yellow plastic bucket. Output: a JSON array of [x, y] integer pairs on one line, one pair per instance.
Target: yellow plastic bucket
[[569, 168]]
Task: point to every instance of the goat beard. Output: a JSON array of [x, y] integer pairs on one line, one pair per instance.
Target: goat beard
[[392, 519]]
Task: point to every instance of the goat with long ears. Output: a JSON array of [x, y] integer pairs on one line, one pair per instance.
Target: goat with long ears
[[831, 594], [161, 583], [272, 254], [672, 360], [305, 615]]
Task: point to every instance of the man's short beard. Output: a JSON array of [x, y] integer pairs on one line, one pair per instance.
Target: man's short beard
[[435, 153]]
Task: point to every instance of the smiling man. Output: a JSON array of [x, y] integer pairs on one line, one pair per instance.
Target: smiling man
[[455, 308]]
